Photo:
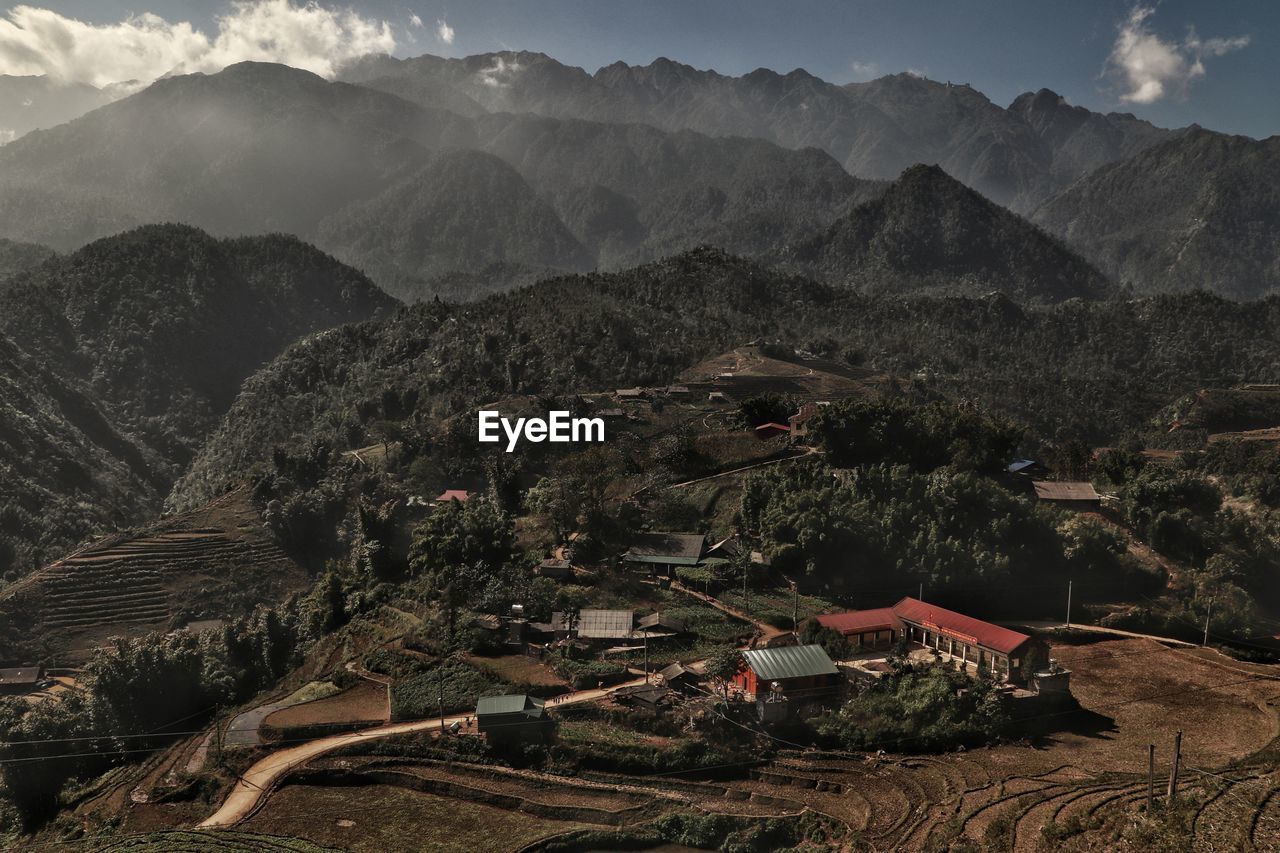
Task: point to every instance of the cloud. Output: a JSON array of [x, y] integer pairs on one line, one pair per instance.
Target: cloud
[[1150, 67], [416, 22], [863, 71], [444, 32], [7, 136], [500, 74], [145, 47]]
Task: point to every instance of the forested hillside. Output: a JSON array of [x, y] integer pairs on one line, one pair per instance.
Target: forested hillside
[[1087, 370], [929, 232], [121, 358], [1196, 212], [16, 257]]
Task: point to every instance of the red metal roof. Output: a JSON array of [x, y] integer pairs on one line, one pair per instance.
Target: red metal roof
[[773, 425], [860, 621], [985, 634], [453, 495]]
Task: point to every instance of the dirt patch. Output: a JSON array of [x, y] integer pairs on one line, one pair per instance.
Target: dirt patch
[[363, 703]]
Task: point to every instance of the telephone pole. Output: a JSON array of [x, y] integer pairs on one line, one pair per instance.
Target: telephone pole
[[646, 657], [1069, 583], [440, 684], [795, 606], [1173, 771], [1151, 778], [1207, 614]]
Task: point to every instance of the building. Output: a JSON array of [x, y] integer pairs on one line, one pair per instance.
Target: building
[[771, 430], [630, 395], [649, 698], [515, 718], [1067, 495], [556, 569], [1026, 468], [20, 680], [605, 624], [799, 672], [663, 553], [801, 420], [866, 629], [459, 495], [659, 626], [982, 646], [679, 678]]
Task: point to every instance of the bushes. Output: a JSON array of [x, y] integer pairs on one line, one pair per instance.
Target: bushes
[[586, 674], [418, 696]]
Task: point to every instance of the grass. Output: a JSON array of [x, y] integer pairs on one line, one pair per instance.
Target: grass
[[378, 818], [189, 841], [589, 733], [774, 606]]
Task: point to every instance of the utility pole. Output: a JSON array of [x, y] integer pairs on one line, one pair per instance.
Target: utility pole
[[1151, 778], [440, 683], [920, 597], [795, 606], [1069, 583], [1173, 771], [1207, 614], [646, 657]]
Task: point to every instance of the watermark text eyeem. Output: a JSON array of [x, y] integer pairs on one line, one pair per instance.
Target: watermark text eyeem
[[557, 427]]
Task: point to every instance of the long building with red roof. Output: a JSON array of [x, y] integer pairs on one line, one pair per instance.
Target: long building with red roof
[[1000, 651]]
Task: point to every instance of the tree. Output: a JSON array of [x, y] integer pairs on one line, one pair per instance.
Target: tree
[[724, 664]]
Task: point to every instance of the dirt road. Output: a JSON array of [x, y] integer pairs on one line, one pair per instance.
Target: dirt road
[[257, 782]]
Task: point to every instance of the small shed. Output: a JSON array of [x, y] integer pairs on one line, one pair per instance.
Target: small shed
[[459, 495], [1067, 494], [555, 568], [679, 678], [772, 430], [650, 698], [514, 718], [659, 624], [19, 680], [662, 553]]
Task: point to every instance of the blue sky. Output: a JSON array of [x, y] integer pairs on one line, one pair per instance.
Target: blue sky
[[1213, 63]]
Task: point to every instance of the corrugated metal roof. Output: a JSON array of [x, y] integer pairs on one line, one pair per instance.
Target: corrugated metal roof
[[605, 624], [789, 662], [858, 621], [660, 620], [514, 703], [676, 549], [994, 637], [1049, 491], [20, 675]]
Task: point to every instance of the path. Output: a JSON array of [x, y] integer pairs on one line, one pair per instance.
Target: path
[[257, 782], [808, 451]]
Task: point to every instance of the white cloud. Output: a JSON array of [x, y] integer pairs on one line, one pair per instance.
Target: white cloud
[[444, 32], [7, 136], [500, 74], [416, 22], [144, 47], [1151, 67], [863, 71]]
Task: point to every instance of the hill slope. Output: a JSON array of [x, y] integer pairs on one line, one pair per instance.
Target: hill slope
[[930, 232], [17, 257], [1091, 369], [1198, 211]]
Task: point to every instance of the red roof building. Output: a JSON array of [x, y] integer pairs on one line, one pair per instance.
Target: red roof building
[[771, 430], [459, 495], [991, 648]]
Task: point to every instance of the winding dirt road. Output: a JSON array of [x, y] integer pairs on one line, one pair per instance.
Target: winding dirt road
[[255, 785]]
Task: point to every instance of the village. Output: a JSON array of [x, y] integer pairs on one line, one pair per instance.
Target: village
[[692, 672]]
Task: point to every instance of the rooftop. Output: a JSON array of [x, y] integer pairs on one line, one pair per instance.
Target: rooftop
[[789, 662], [1053, 491], [21, 675], [605, 624], [515, 703], [858, 621], [1003, 640], [681, 549], [460, 495]]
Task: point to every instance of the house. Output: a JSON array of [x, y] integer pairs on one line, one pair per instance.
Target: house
[[678, 391], [20, 680], [982, 646], [717, 397], [515, 718], [800, 421], [660, 625], [679, 678], [650, 698], [630, 395], [731, 548], [772, 430], [800, 672], [605, 624], [662, 553], [611, 414], [459, 495], [1067, 495], [555, 568], [865, 629]]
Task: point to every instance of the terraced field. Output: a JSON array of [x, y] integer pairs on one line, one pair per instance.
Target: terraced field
[[124, 585]]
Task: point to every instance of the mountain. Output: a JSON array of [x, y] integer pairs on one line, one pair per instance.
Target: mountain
[[387, 185], [15, 257], [1198, 211], [1094, 370], [164, 322], [930, 232], [1015, 156], [31, 103], [463, 206]]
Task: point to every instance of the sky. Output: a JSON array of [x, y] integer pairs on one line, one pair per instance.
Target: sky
[[1173, 62]]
